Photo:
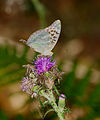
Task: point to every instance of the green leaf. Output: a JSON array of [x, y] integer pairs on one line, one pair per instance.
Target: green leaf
[[50, 110], [56, 90]]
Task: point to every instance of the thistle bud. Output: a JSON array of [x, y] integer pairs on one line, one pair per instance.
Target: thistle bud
[[61, 102]]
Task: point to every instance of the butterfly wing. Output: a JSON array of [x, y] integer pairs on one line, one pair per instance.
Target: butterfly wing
[[39, 41], [54, 31], [44, 40]]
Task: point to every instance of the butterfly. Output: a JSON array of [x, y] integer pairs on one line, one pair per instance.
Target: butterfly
[[44, 40]]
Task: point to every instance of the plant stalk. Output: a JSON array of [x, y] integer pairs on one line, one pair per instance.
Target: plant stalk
[[51, 99]]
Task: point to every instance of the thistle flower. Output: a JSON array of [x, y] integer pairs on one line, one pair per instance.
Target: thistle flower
[[43, 64], [43, 73], [27, 85]]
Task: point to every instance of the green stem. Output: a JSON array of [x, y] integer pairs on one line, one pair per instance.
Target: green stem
[[51, 99], [55, 107]]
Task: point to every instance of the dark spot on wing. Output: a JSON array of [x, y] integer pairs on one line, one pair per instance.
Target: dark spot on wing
[[53, 40], [54, 37], [48, 32], [52, 34], [57, 32], [52, 30]]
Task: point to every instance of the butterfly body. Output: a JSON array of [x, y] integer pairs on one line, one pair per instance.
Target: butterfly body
[[44, 40]]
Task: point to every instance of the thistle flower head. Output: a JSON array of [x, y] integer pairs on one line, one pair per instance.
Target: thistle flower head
[[27, 85], [43, 64], [42, 73]]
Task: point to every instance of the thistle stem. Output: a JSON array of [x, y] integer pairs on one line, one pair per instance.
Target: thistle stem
[[51, 99]]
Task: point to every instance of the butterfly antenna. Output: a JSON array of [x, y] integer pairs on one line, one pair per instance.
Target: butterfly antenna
[[24, 41]]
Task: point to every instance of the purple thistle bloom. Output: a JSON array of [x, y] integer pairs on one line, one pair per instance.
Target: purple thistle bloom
[[43, 64], [62, 95], [27, 85]]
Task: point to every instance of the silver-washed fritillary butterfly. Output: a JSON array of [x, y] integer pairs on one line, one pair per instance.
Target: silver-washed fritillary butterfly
[[44, 40]]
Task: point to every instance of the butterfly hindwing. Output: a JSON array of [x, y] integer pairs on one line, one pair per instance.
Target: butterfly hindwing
[[43, 41], [39, 41], [54, 31]]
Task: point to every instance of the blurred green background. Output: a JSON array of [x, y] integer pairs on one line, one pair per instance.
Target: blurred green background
[[77, 54]]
